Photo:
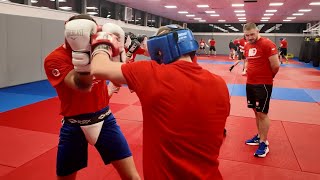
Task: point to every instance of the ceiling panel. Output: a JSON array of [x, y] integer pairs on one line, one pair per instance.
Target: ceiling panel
[[254, 11]]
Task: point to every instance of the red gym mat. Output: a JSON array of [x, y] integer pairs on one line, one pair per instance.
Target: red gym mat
[[308, 84], [293, 111], [303, 138], [285, 83], [39, 168], [117, 107], [5, 170], [132, 130], [303, 74], [44, 167], [124, 96], [240, 79], [19, 146], [219, 69], [229, 79], [282, 76], [239, 107], [42, 116], [130, 113], [232, 170], [239, 129]]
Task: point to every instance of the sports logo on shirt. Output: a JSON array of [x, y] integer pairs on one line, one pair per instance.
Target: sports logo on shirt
[[55, 72], [252, 52]]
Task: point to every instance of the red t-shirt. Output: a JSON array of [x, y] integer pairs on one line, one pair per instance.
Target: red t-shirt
[[212, 42], [236, 42], [139, 51], [184, 113], [284, 43], [259, 69], [73, 102], [242, 43]]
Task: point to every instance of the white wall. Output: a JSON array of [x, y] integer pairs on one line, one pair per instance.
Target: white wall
[[28, 34]]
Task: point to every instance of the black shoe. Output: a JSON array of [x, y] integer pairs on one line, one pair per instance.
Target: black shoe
[[225, 132], [230, 69]]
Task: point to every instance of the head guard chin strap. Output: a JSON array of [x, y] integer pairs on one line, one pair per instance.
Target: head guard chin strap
[[168, 47]]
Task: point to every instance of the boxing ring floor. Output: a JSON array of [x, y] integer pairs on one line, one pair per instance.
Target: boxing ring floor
[[29, 127]]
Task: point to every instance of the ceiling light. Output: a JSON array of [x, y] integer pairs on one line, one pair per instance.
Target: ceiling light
[[265, 18], [237, 5], [221, 20], [197, 18], [170, 6], [239, 11], [315, 4], [240, 14], [291, 17], [215, 15], [268, 14], [304, 10], [202, 20], [208, 12], [190, 15], [297, 14], [202, 6], [275, 4], [92, 13], [242, 18], [65, 8], [273, 10], [91, 7], [286, 20], [183, 12]]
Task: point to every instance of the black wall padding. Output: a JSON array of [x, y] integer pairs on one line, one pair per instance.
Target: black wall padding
[[309, 52], [301, 51], [316, 59]]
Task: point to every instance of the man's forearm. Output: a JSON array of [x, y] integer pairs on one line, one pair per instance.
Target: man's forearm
[[275, 70], [83, 81]]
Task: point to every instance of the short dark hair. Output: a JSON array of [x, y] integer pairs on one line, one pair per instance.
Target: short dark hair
[[166, 29], [82, 16]]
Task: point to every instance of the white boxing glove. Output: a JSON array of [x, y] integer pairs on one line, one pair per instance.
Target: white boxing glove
[[81, 61], [78, 36], [118, 31], [110, 38], [114, 29]]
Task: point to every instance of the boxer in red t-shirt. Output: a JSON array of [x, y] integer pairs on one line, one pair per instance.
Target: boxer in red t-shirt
[[241, 44], [212, 49], [263, 65], [283, 49], [181, 136], [84, 106], [202, 46]]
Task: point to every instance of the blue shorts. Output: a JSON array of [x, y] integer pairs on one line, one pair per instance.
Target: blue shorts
[[73, 147]]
